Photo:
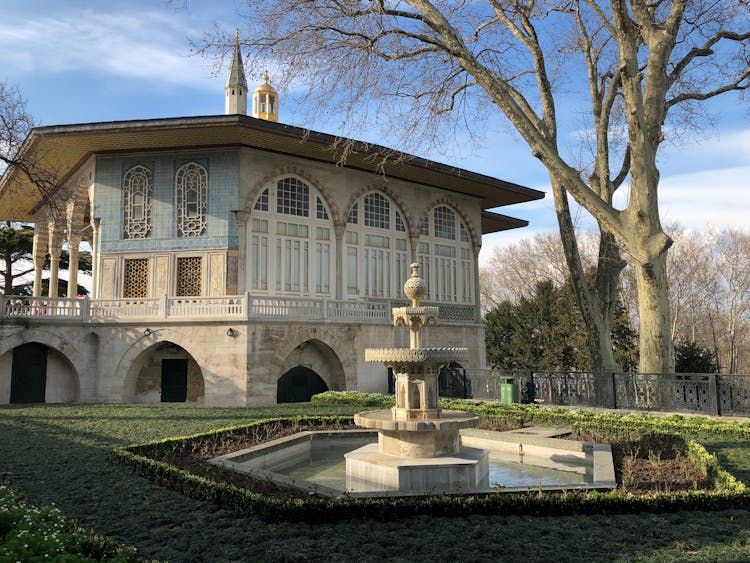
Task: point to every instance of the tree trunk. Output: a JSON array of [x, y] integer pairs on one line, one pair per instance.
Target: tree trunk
[[597, 303], [656, 351]]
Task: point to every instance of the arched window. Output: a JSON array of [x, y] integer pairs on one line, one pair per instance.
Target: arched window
[[291, 241], [137, 185], [445, 254], [376, 248], [191, 200]]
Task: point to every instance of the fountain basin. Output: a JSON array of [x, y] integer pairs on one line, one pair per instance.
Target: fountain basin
[[519, 461], [448, 420], [415, 356]]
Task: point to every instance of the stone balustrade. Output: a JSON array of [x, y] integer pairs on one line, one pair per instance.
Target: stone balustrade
[[240, 307]]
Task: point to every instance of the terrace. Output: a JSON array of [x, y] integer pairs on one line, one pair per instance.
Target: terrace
[[240, 307]]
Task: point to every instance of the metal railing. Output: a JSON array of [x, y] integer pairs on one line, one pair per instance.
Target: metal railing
[[704, 393], [241, 307]]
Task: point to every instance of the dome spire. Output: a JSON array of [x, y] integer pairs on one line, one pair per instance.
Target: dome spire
[[266, 101], [236, 88]]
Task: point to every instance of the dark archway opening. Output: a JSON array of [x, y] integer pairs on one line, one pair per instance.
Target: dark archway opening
[[28, 380], [298, 385]]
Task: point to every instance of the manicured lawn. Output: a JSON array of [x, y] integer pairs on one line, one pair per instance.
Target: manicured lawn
[[60, 455]]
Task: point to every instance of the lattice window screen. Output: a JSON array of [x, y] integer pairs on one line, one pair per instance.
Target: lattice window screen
[[137, 186], [189, 276], [191, 198], [135, 283]]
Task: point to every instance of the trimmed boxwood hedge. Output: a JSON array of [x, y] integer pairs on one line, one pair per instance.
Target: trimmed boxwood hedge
[[729, 492]]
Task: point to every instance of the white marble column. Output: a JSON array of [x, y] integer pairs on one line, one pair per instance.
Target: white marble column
[[95, 225], [39, 255], [339, 232], [73, 242], [242, 219]]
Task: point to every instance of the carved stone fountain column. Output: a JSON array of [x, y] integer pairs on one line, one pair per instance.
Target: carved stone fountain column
[[419, 446]]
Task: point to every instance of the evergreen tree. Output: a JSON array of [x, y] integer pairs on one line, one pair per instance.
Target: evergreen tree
[[16, 261], [16, 244], [546, 332], [690, 357]]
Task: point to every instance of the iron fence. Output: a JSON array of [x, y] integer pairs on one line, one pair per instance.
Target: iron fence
[[712, 394]]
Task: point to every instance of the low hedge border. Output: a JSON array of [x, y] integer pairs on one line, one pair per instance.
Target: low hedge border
[[729, 494]]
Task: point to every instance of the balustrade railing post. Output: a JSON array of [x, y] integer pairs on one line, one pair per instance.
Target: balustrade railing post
[[3, 306], [85, 309], [713, 395], [325, 308], [165, 307], [248, 299]]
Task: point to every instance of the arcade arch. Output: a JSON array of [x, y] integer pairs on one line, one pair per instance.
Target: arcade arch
[[165, 373], [311, 367], [35, 372]]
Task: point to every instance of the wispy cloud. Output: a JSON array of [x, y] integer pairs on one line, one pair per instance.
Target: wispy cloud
[[147, 45]]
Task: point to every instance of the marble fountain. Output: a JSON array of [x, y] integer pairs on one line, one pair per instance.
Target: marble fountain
[[418, 448]]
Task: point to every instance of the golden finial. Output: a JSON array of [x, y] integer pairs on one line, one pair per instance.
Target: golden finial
[[265, 75]]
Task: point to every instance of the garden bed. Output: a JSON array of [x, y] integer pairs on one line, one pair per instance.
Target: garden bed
[[657, 470]]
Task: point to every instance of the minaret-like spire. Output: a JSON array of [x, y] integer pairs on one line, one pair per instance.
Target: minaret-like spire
[[236, 88]]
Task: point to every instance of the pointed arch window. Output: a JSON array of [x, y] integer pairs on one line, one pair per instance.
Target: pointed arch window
[[445, 254], [376, 248], [291, 243], [137, 187], [191, 195]]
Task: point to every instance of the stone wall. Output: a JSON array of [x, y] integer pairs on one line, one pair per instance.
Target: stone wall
[[120, 363]]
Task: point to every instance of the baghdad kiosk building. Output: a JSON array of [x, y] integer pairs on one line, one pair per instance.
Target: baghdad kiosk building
[[235, 260]]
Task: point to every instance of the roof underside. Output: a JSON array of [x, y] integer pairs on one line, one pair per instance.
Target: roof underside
[[65, 148]]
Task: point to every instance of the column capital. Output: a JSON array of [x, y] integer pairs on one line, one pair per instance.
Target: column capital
[[242, 217]]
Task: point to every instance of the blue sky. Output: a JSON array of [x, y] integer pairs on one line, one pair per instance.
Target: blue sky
[[83, 61]]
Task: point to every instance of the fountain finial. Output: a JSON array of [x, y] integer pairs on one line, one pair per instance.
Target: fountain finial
[[415, 287]]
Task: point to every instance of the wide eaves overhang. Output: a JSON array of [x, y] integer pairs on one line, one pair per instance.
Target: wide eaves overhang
[[65, 147]]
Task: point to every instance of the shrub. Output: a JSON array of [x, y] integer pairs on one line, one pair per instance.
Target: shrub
[[28, 533], [354, 398]]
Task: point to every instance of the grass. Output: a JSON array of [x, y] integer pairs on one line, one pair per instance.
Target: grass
[[60, 455]]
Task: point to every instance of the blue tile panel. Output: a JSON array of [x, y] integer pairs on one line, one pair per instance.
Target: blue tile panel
[[223, 180]]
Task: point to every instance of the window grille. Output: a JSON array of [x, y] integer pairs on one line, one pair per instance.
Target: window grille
[[464, 234], [400, 223], [137, 186], [445, 223], [353, 218], [377, 211], [321, 212], [188, 276], [135, 283], [262, 203], [191, 194], [424, 227], [292, 197]]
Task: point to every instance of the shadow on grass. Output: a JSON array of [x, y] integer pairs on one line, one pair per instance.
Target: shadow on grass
[[734, 456], [60, 455]]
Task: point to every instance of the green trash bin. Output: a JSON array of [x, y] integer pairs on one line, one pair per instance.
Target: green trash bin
[[508, 391]]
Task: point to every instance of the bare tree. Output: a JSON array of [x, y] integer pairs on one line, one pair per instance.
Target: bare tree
[[514, 271], [642, 62], [710, 293], [15, 125]]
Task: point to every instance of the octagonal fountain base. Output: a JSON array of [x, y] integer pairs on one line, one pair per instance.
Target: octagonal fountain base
[[467, 470], [418, 454]]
